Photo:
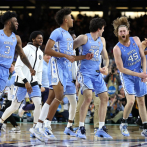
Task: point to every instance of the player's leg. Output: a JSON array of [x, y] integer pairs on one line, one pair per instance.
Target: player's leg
[[19, 94], [77, 115], [87, 93], [72, 110], [96, 116]]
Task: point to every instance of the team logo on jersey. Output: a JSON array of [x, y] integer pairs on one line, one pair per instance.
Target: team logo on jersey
[[2, 34], [40, 57]]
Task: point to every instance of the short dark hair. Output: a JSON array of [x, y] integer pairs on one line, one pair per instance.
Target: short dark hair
[[96, 23], [35, 34], [7, 15], [60, 15]]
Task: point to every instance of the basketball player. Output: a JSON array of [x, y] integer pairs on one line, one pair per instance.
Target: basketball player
[[8, 43], [128, 54], [58, 64], [35, 57], [89, 74]]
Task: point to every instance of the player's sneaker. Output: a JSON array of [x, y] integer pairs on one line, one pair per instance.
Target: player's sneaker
[[32, 135], [69, 131], [21, 111], [4, 127], [144, 133], [81, 133], [124, 131], [75, 129], [47, 131], [15, 130], [36, 132], [103, 133]]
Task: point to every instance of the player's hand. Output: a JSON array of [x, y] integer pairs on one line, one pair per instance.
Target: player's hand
[[143, 75], [28, 87], [104, 70], [144, 80], [89, 56], [70, 58], [33, 72], [42, 89]]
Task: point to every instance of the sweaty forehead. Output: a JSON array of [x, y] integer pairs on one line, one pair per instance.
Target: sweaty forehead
[[122, 29]]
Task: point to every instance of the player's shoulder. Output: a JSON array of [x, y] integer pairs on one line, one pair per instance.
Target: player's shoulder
[[116, 47], [136, 38]]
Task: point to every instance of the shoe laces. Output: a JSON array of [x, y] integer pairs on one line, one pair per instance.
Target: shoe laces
[[83, 130], [105, 129]]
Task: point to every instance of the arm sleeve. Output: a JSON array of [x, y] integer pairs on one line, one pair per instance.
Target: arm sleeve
[[39, 72], [56, 35], [19, 65], [11, 81]]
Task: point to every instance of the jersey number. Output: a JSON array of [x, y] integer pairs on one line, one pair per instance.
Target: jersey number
[[133, 57], [69, 46], [8, 50], [96, 53]]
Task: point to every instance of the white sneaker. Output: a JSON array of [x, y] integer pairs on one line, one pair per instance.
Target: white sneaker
[[4, 127], [38, 133], [15, 130], [21, 111], [124, 131], [144, 133], [47, 131]]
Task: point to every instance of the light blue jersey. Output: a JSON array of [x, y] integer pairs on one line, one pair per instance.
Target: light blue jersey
[[94, 47], [130, 56], [7, 49], [58, 67], [132, 60], [88, 75]]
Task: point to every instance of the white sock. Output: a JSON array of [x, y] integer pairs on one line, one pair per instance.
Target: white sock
[[81, 124], [69, 124], [101, 124], [44, 112], [34, 125], [145, 122], [47, 123], [39, 125]]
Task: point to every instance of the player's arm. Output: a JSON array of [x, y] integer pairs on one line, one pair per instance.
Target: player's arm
[[143, 58], [81, 40], [144, 45], [104, 54], [119, 64], [23, 56]]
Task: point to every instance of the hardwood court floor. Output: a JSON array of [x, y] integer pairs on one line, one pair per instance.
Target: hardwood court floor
[[23, 139]]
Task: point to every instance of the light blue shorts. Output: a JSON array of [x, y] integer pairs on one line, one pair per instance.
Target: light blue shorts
[[133, 85], [19, 93], [57, 71], [93, 82], [70, 88], [4, 75]]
